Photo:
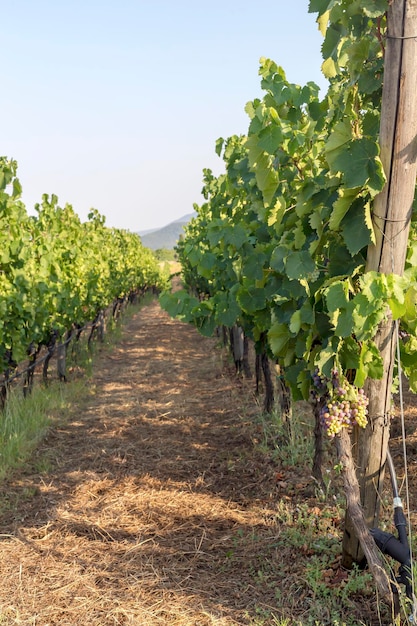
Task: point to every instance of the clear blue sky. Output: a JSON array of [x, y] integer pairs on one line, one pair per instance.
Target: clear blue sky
[[117, 105]]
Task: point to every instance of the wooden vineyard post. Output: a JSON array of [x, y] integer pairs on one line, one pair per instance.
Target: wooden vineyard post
[[391, 217]]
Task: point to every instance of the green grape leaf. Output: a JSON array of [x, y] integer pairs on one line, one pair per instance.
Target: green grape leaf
[[374, 288], [17, 188], [356, 233], [250, 110], [377, 177], [374, 8], [412, 379], [359, 52], [251, 299], [319, 6], [344, 324], [278, 338], [276, 214], [219, 146], [260, 162], [325, 359], [299, 380], [206, 264], [299, 265], [397, 286], [236, 235], [270, 138], [370, 82], [342, 206], [349, 354], [295, 322], [355, 162], [410, 300], [331, 44], [304, 315], [341, 262], [252, 266], [278, 258], [206, 325], [227, 310], [337, 296], [337, 143], [329, 68], [366, 317], [370, 364]]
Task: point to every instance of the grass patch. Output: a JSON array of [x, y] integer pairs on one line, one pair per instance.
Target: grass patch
[[25, 421], [309, 521]]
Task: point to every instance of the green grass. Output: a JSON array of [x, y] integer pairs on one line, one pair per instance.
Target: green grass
[[25, 422], [308, 539]]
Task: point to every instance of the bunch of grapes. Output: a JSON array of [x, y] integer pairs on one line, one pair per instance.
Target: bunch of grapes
[[343, 404], [319, 385], [359, 408]]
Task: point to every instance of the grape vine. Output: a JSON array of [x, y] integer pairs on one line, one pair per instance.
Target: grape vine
[[56, 272], [280, 245]]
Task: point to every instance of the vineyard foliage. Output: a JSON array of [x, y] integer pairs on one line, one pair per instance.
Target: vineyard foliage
[[280, 244], [56, 272]]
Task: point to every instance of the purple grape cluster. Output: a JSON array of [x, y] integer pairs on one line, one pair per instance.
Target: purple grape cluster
[[319, 385], [343, 404]]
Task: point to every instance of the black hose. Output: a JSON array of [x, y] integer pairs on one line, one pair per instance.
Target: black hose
[[399, 517], [388, 544], [398, 549]]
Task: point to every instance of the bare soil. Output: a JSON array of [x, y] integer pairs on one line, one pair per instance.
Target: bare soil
[[154, 503]]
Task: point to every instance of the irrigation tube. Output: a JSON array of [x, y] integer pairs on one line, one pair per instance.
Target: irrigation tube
[[397, 548]]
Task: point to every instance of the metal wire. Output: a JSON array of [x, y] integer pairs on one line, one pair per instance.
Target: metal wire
[[407, 494]]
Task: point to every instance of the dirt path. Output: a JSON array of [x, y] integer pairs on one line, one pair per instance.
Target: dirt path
[[147, 511], [154, 503]]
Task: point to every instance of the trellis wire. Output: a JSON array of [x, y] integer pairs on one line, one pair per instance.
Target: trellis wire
[[407, 493]]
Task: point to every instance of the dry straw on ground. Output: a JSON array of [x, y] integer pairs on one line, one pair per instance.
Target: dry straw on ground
[[137, 517]]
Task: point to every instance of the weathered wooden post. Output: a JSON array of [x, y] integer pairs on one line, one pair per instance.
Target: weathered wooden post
[[391, 217]]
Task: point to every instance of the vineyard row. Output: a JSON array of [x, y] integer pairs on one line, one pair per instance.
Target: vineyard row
[[58, 274]]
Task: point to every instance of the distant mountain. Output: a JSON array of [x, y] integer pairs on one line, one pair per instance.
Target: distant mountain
[[167, 236]]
